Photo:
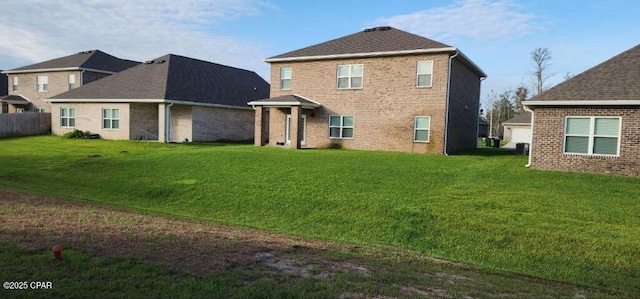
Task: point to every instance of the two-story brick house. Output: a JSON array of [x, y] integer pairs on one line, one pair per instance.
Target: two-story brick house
[[379, 89], [30, 85]]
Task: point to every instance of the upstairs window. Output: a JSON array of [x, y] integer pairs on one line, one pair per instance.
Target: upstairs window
[[592, 136], [350, 76], [43, 83], [425, 73], [110, 118], [14, 87], [68, 117], [285, 78], [341, 126], [421, 129], [72, 81]]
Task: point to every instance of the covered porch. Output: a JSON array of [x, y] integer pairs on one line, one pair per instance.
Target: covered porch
[[14, 104], [294, 107]]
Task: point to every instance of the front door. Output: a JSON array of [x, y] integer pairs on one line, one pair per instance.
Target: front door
[[304, 129]]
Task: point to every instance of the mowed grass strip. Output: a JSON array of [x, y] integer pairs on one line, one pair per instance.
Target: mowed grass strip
[[479, 208]]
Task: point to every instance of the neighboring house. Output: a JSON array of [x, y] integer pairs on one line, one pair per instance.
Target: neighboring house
[[591, 122], [483, 127], [30, 85], [379, 89], [171, 98], [518, 128]]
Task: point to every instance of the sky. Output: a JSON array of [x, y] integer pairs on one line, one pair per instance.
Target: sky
[[498, 35]]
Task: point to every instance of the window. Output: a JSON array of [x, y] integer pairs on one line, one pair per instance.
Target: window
[[285, 78], [72, 81], [421, 128], [40, 110], [592, 135], [67, 117], [425, 71], [340, 126], [350, 76], [15, 84], [110, 118], [43, 83]]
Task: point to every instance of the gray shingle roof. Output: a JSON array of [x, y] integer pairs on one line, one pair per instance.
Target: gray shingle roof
[[93, 59], [522, 118], [178, 78], [14, 99], [379, 39], [615, 79], [290, 99]]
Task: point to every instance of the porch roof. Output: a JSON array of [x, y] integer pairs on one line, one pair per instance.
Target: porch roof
[[14, 100], [286, 101]]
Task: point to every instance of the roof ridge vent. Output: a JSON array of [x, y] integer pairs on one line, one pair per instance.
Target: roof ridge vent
[[149, 62], [370, 29], [160, 61], [383, 28], [85, 52]]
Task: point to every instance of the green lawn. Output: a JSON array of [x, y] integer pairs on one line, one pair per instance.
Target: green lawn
[[481, 208]]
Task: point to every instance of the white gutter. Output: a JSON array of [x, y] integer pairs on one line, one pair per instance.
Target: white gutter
[[526, 108], [583, 103], [360, 55], [62, 69], [179, 102], [446, 111]]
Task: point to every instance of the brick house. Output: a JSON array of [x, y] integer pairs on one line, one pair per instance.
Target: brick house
[[30, 85], [170, 99], [591, 122], [379, 89]]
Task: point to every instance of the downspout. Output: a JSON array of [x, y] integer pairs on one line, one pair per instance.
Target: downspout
[[446, 111], [167, 123], [526, 108], [82, 77]]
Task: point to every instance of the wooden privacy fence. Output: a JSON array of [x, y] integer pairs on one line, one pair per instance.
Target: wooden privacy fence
[[24, 124]]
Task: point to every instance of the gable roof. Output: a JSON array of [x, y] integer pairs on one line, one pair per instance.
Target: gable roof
[[14, 99], [286, 101], [174, 78], [373, 42], [522, 118], [613, 82], [94, 60]]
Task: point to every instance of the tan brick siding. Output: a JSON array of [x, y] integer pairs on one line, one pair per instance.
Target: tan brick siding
[[89, 118], [58, 83], [181, 123], [384, 109], [222, 124], [144, 121], [548, 141]]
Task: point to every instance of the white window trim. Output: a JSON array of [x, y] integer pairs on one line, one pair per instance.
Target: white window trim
[[342, 127], [111, 119], [68, 117], [282, 78], [14, 85], [72, 81], [421, 129], [591, 136], [45, 86], [349, 76], [418, 74]]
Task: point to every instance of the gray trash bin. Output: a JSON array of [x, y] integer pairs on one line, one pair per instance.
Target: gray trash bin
[[496, 142]]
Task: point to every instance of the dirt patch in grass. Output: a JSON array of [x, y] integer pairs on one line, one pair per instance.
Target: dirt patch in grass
[[187, 246]]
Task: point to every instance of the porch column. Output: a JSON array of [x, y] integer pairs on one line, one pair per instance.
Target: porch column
[[295, 127], [258, 139], [161, 122]]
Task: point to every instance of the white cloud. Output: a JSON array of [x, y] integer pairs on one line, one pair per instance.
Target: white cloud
[[37, 30], [478, 19]]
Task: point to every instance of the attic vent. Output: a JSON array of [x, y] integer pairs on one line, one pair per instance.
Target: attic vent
[[370, 29], [84, 52], [384, 28], [160, 61], [149, 62]]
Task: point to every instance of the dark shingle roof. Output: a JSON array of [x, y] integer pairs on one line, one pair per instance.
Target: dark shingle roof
[[615, 79], [14, 99], [93, 59], [178, 78], [522, 118], [379, 39]]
